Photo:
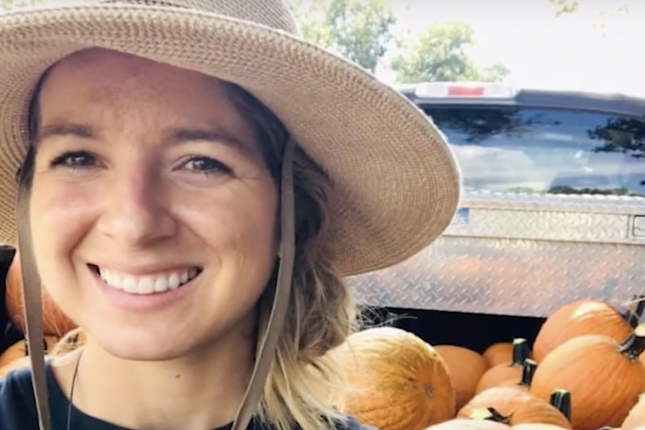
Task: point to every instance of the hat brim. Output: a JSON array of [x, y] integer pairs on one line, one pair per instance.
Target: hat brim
[[396, 181]]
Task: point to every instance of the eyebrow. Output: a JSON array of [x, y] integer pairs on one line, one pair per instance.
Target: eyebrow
[[181, 135], [63, 129], [213, 134]]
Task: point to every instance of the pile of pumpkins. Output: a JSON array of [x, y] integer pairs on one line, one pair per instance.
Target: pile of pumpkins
[[585, 371], [61, 333]]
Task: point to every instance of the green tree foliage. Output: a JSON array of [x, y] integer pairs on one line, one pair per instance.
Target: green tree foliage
[[563, 7], [12, 4], [567, 7], [359, 30], [440, 54]]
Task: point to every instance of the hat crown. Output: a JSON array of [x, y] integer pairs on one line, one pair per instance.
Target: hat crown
[[271, 13]]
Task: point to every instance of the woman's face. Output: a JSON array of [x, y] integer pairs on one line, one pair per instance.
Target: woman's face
[[153, 213]]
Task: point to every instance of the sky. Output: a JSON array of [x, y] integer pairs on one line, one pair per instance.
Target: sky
[[541, 50]]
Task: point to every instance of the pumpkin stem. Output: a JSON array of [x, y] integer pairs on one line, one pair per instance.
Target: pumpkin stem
[[520, 352], [528, 370], [561, 400], [489, 414], [635, 344], [634, 311]]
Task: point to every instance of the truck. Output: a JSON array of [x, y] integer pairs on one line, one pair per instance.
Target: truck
[[552, 210]]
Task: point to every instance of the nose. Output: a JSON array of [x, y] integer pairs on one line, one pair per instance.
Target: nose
[[136, 211]]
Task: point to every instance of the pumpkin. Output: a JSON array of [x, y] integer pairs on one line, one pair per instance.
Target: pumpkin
[[19, 350], [512, 406], [537, 426], [468, 424], [396, 381], [528, 370], [17, 355], [581, 318], [55, 322], [509, 371], [636, 416], [15, 364], [499, 353], [603, 376], [465, 367]]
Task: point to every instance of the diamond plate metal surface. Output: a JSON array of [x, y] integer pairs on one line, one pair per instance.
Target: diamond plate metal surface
[[520, 255]]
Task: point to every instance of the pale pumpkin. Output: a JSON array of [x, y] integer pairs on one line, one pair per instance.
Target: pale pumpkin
[[466, 368], [636, 416], [581, 318], [603, 376], [55, 322], [396, 380], [507, 372], [468, 424], [512, 406]]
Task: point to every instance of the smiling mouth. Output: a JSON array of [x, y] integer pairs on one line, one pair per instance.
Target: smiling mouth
[[146, 284]]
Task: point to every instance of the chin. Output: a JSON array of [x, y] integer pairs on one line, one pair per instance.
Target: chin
[[144, 345]]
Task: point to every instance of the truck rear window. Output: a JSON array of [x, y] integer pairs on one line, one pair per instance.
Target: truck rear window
[[522, 150]]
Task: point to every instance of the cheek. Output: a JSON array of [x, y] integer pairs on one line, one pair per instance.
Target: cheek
[[60, 215], [240, 225]]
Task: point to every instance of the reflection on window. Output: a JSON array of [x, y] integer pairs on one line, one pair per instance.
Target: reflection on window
[[513, 150]]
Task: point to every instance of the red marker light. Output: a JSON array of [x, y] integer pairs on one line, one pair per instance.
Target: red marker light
[[456, 91]]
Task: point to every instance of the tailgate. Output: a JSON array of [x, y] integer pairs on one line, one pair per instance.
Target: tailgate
[[521, 255]]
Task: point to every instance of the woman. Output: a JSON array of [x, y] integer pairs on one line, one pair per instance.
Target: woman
[[194, 182]]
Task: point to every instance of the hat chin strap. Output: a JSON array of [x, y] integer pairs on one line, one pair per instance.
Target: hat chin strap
[[266, 351]]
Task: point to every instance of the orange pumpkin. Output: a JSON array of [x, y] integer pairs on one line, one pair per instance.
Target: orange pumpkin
[[15, 364], [636, 416], [603, 376], [396, 381], [512, 406], [466, 368], [581, 318], [17, 355], [20, 350], [468, 424], [509, 371], [55, 322], [499, 353]]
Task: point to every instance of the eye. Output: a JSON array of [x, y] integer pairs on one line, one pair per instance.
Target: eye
[[75, 159], [207, 166]]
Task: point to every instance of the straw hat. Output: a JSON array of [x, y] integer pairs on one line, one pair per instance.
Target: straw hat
[[396, 181]]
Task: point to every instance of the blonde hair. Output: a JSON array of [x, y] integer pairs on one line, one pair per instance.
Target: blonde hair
[[304, 387]]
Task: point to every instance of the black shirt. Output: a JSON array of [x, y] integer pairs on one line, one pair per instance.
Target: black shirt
[[18, 408]]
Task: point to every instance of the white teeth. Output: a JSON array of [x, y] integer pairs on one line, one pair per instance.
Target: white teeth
[[148, 284]]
